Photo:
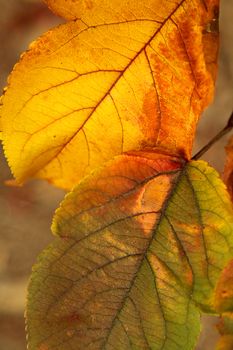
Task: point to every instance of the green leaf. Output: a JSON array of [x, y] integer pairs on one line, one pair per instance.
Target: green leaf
[[141, 244]]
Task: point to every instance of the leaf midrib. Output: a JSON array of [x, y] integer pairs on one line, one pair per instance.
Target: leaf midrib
[[154, 230], [62, 148]]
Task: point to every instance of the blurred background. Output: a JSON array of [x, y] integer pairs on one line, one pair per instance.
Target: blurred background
[[26, 212]]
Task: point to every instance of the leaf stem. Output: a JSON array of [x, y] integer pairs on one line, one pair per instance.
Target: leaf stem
[[216, 138]]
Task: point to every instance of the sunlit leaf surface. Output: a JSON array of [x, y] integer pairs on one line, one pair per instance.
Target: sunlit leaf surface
[[125, 75], [140, 247]]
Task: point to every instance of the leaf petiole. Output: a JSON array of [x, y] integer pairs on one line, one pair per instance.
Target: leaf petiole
[[216, 138]]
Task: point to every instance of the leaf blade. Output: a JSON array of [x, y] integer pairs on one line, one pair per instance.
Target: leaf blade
[[128, 276], [99, 97]]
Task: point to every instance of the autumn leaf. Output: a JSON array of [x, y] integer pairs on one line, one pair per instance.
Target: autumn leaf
[[121, 76], [141, 241], [140, 247]]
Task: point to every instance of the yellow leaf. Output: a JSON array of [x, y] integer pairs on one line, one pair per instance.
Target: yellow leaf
[[124, 76]]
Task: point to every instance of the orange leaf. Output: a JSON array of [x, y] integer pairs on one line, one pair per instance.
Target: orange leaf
[[130, 76]]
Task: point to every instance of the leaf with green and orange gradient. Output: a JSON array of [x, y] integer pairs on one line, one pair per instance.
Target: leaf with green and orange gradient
[[119, 76], [139, 249]]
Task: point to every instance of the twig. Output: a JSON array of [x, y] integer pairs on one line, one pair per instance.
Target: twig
[[216, 138]]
